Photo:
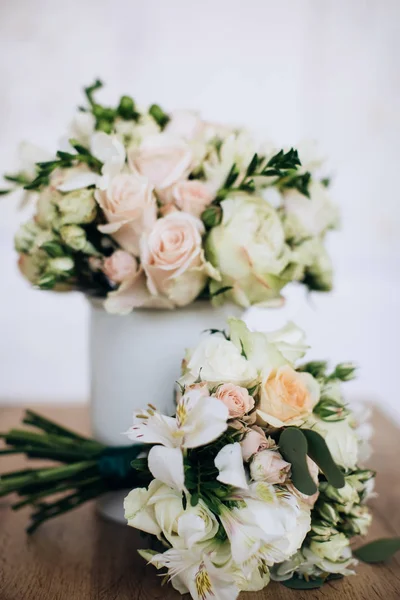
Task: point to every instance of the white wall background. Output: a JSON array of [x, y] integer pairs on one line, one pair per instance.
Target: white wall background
[[303, 68]]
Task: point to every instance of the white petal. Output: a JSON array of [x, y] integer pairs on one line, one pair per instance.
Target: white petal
[[191, 528], [138, 513], [77, 182], [166, 465], [229, 462], [153, 428], [205, 419]]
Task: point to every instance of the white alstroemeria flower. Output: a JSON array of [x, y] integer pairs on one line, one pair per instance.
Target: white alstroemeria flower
[[229, 462], [191, 571], [217, 360], [110, 151], [244, 534], [28, 155], [199, 420]]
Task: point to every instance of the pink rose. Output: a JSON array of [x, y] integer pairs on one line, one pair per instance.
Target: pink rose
[[162, 158], [237, 399], [185, 124], [269, 466], [134, 293], [173, 258], [253, 442], [192, 196], [130, 209], [119, 266]]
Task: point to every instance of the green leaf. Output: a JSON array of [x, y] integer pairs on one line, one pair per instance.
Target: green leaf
[[319, 452], [293, 447], [4, 192], [378, 551], [302, 584], [317, 368], [91, 89]]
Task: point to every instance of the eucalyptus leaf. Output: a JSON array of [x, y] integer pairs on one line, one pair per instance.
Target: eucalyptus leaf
[[319, 452], [293, 447], [378, 551], [302, 584]]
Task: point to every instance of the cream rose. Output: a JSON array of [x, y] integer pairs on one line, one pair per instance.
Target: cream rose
[[162, 158], [192, 196], [287, 396], [119, 266], [130, 209], [173, 259], [237, 399], [269, 466]]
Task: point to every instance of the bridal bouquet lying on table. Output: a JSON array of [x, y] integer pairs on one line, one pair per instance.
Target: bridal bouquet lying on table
[[145, 208], [258, 476]]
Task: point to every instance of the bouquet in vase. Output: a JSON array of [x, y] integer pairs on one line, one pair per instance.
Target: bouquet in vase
[[143, 208]]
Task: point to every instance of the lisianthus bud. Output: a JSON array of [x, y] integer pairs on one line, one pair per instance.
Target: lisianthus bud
[[344, 497], [25, 237], [62, 265], [75, 237], [345, 371], [328, 513], [332, 549], [77, 207], [320, 531]]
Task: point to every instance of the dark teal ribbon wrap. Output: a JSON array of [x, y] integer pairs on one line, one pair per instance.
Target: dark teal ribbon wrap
[[115, 466]]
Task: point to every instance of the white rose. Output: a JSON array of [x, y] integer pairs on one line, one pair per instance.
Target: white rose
[[310, 216], [162, 158], [173, 259], [217, 360], [160, 510], [341, 440], [249, 250], [130, 209]]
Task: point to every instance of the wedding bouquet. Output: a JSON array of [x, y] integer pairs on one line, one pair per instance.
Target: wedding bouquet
[[144, 208], [258, 475]]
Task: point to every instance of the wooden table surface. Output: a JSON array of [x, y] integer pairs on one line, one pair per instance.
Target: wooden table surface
[[79, 556]]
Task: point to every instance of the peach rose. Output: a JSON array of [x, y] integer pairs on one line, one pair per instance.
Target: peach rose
[[192, 196], [130, 209], [286, 396], [269, 466], [119, 266], [237, 399], [173, 258], [162, 158], [254, 441]]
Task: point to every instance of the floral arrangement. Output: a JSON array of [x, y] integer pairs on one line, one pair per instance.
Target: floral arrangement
[[144, 208], [258, 476]]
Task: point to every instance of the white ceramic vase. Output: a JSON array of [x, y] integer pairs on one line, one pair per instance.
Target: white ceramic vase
[[135, 360]]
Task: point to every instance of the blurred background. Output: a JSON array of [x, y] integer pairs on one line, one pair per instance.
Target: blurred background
[[299, 69]]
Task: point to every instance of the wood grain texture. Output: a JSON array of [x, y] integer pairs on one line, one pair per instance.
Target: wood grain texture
[[79, 556]]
